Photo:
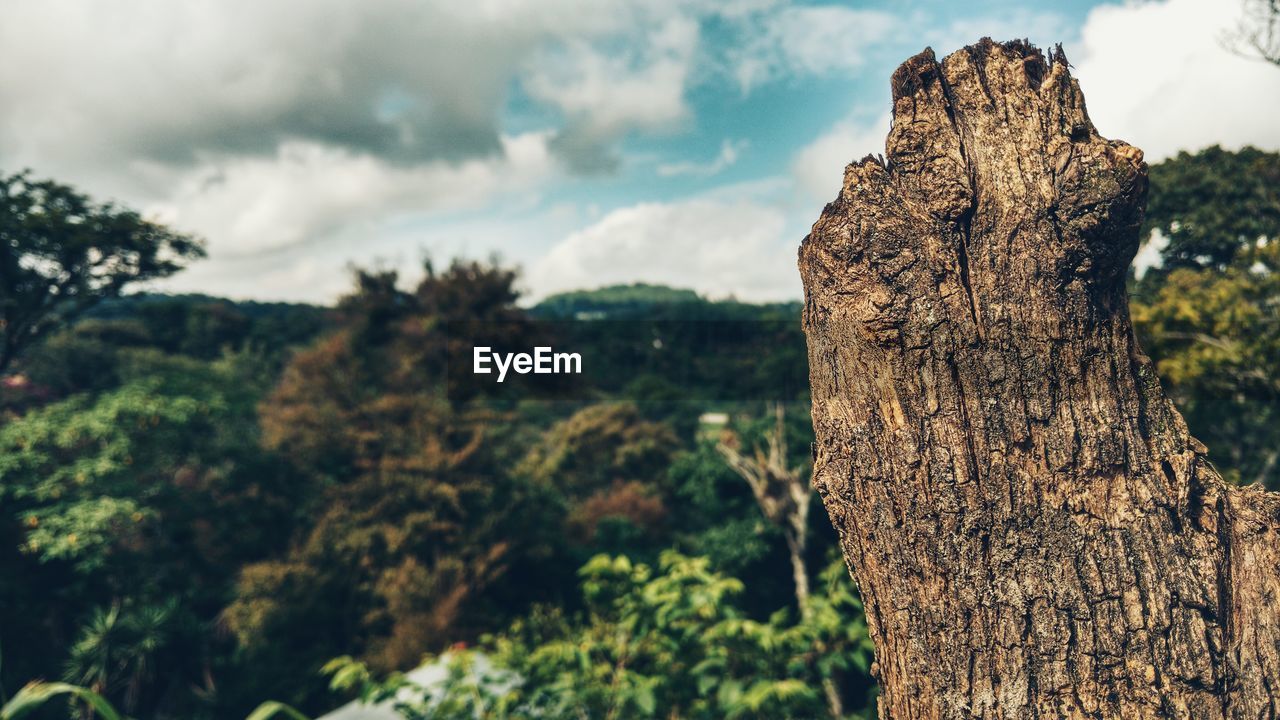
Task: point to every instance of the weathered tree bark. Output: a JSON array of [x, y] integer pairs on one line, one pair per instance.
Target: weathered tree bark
[[1034, 531]]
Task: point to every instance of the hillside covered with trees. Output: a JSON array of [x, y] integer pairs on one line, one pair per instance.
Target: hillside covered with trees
[[205, 502]]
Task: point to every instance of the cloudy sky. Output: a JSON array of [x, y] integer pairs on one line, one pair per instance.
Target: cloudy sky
[[689, 142]]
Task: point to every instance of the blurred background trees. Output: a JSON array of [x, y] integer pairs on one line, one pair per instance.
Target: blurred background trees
[[63, 253], [1209, 314], [669, 640], [202, 501], [1257, 33]]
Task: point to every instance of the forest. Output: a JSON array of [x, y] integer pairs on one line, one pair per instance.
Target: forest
[[207, 505]]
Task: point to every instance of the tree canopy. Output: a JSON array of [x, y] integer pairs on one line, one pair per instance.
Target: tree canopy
[[64, 252], [1214, 207], [1208, 314]]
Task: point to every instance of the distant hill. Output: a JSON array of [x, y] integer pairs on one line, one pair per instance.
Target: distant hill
[[654, 343], [204, 326], [614, 300], [642, 341], [652, 302], [127, 306]]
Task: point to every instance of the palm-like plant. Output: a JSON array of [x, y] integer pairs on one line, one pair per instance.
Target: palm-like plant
[[117, 648]]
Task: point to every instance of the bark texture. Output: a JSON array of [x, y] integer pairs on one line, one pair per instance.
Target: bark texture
[[1034, 531]]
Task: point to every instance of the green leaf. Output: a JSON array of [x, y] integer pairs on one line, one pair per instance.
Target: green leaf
[[36, 694], [645, 700], [346, 673], [271, 708], [729, 693]]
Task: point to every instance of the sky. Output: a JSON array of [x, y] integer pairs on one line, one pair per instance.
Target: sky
[[590, 142]]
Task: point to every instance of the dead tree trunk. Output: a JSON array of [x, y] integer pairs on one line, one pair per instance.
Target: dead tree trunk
[[781, 492], [1034, 531], [783, 496]]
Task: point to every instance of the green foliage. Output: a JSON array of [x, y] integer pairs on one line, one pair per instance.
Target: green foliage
[[601, 445], [117, 650], [129, 512], [612, 300], [665, 643], [94, 354], [37, 694], [90, 475], [63, 253], [719, 516], [1213, 205], [70, 463], [377, 512], [607, 463], [420, 527], [271, 709], [34, 695], [1216, 339], [1210, 317]]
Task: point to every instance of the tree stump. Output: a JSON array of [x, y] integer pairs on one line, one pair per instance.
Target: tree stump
[[1033, 529]]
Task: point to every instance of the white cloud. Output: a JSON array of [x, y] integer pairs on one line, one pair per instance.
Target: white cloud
[[86, 88], [89, 92], [167, 79], [320, 122], [1156, 76], [819, 166], [717, 247], [729, 151], [1041, 28], [604, 93], [271, 127], [810, 40], [518, 233], [294, 134], [291, 278], [308, 192]]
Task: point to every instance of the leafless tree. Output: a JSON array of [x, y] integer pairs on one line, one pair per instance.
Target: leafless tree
[[1257, 34], [783, 494]]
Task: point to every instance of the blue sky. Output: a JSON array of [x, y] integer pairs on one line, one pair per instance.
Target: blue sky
[[590, 141]]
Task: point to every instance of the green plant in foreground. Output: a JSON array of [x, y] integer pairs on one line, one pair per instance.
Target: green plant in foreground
[[34, 695], [669, 643]]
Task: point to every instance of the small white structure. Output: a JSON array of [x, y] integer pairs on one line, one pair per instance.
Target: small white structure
[[428, 677], [714, 418]]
